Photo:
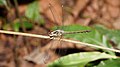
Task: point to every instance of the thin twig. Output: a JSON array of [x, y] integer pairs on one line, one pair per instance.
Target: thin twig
[[18, 14], [67, 40], [25, 34]]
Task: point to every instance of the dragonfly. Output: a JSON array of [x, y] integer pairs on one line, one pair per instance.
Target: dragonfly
[[43, 57], [59, 32]]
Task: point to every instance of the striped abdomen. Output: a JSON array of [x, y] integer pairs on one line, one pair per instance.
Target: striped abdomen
[[75, 32]]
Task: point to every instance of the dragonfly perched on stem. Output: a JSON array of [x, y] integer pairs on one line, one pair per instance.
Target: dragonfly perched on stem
[[43, 57], [60, 32]]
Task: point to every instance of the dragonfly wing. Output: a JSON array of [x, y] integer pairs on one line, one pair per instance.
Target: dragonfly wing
[[37, 56]]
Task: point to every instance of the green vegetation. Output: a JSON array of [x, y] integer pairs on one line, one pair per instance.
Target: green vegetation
[[99, 35]]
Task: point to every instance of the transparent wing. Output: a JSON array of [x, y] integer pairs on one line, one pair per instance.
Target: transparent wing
[[37, 56], [55, 11], [61, 22], [41, 57]]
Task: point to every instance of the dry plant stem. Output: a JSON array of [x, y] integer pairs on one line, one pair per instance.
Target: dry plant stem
[[18, 15], [7, 5], [67, 40], [21, 22], [16, 47], [16, 60]]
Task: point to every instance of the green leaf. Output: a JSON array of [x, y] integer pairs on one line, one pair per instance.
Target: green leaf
[[17, 25], [7, 26], [3, 2], [27, 24], [32, 12], [113, 35], [79, 59], [110, 63], [93, 37]]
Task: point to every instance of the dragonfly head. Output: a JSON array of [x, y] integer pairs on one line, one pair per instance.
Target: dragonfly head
[[56, 33]]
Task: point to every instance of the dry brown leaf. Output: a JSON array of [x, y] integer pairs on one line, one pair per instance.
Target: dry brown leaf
[[104, 9], [1, 23], [116, 24], [11, 41], [105, 14], [58, 44], [95, 5], [113, 11], [89, 12], [80, 4], [22, 9], [113, 2], [1, 48], [69, 20], [84, 22], [101, 3], [61, 44], [24, 63], [3, 38], [103, 22], [39, 56], [40, 65], [11, 64]]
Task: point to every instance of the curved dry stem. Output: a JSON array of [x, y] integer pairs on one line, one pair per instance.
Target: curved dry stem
[[67, 40]]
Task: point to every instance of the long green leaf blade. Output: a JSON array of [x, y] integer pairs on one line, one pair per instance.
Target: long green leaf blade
[[110, 63], [79, 59]]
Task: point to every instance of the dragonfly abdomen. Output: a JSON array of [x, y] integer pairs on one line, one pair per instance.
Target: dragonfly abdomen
[[75, 32]]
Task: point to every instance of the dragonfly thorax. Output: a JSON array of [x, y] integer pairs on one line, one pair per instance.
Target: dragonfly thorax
[[56, 33]]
